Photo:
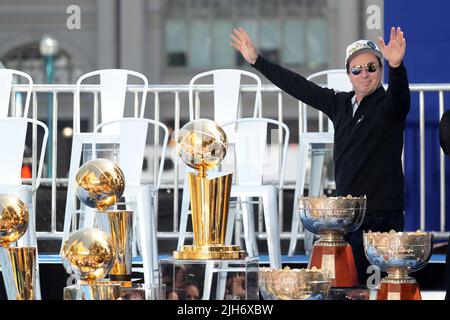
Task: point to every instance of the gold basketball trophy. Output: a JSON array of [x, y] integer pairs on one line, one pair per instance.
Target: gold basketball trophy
[[87, 253], [202, 145], [100, 185], [18, 263]]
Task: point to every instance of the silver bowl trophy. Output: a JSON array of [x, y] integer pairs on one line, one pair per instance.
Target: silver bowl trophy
[[398, 254], [331, 218], [293, 284]]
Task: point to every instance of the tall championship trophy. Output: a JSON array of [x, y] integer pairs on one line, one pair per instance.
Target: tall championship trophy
[[100, 184], [202, 145], [331, 218], [398, 254], [18, 264]]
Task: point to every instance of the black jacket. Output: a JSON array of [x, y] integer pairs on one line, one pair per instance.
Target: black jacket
[[367, 146]]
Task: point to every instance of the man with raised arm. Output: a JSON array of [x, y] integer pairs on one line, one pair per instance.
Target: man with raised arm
[[369, 123]]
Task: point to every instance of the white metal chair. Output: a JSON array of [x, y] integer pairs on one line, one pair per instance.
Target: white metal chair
[[248, 137], [227, 91], [336, 79], [12, 141], [131, 140], [113, 86], [6, 82]]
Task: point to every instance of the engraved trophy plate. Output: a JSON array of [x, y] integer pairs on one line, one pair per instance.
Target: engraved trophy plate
[[328, 265]]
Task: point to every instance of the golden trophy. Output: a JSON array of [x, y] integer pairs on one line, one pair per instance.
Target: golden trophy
[[202, 145], [331, 218], [398, 254], [18, 264], [88, 255], [118, 224], [100, 185]]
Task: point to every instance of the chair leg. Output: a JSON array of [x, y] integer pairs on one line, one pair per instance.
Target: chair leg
[[249, 230], [184, 215], [146, 234], [299, 187], [238, 225], [209, 271], [251, 220], [272, 226], [222, 276], [230, 226], [155, 264], [71, 201], [221, 281], [317, 160]]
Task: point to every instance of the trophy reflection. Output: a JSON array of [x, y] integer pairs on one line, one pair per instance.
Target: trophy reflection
[[331, 218], [100, 185], [88, 255], [398, 254], [202, 145], [18, 263]]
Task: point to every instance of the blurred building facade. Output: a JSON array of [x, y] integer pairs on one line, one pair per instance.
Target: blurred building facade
[[172, 40]]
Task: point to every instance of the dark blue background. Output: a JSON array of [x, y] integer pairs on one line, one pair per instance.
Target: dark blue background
[[426, 25]]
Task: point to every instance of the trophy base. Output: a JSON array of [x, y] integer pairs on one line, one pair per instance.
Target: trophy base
[[398, 290], [210, 279], [336, 261], [213, 252], [112, 290]]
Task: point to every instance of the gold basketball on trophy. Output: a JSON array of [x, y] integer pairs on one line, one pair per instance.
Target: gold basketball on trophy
[[202, 144], [13, 219], [99, 183], [88, 254]]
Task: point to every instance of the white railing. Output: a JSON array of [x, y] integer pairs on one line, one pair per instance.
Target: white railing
[[179, 92]]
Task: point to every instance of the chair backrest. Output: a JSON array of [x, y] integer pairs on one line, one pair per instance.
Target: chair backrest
[[249, 139], [12, 142], [338, 80], [227, 85], [6, 82], [132, 140], [113, 86]]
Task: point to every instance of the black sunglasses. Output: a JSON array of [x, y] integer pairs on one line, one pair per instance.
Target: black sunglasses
[[370, 67]]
